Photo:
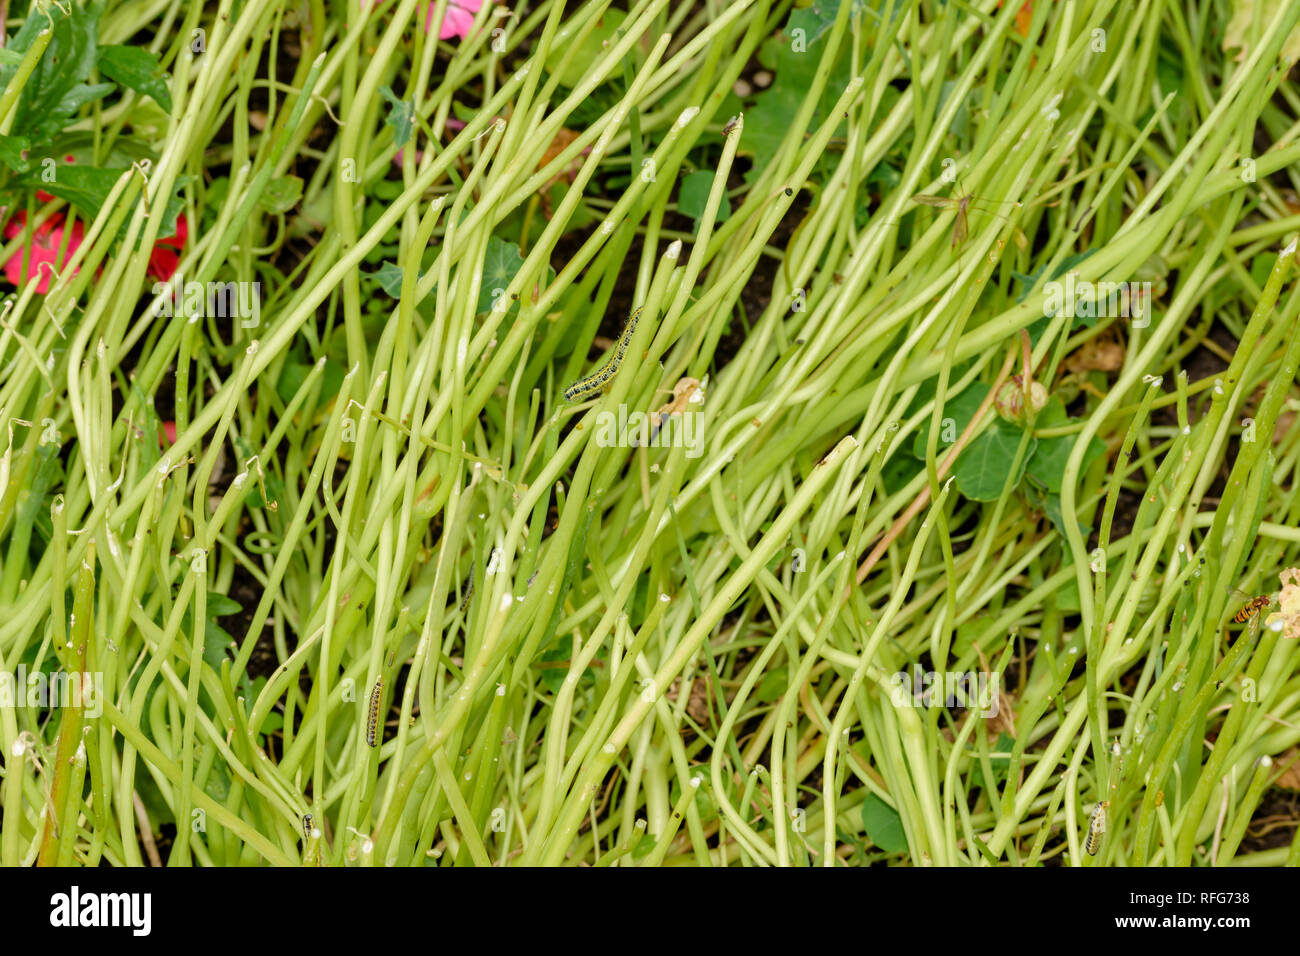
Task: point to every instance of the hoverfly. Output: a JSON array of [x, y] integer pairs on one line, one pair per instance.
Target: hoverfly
[[960, 228], [1252, 606]]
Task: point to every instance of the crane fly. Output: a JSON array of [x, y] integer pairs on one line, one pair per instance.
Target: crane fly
[[960, 228]]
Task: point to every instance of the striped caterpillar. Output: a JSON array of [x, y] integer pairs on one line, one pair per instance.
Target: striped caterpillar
[[372, 721], [593, 384], [307, 825], [468, 591], [1096, 827]]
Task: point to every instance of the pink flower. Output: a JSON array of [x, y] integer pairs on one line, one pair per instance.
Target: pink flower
[[457, 21], [43, 250], [167, 434]]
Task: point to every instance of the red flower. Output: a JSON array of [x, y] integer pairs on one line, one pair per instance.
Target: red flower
[[166, 252], [43, 250]]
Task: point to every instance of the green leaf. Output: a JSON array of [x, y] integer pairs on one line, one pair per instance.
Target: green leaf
[[501, 263], [80, 149], [794, 55], [85, 187], [215, 638], [13, 152], [281, 194], [772, 686], [883, 825], [1039, 326], [569, 63], [80, 95], [694, 196], [401, 117], [958, 410], [220, 605], [295, 373], [66, 62], [983, 468], [1047, 465], [138, 69], [389, 277]]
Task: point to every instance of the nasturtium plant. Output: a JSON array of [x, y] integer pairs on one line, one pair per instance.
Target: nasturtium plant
[[883, 825], [983, 469], [694, 196]]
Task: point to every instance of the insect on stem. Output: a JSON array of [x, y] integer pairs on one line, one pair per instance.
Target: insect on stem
[[595, 383]]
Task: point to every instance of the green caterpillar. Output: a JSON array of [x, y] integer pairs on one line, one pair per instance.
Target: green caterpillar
[[592, 385]]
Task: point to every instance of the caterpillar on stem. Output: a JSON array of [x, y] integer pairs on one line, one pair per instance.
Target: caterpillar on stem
[[594, 384], [1096, 828], [372, 720]]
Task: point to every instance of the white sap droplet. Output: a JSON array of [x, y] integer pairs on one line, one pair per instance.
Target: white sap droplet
[[501, 690], [608, 748]]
